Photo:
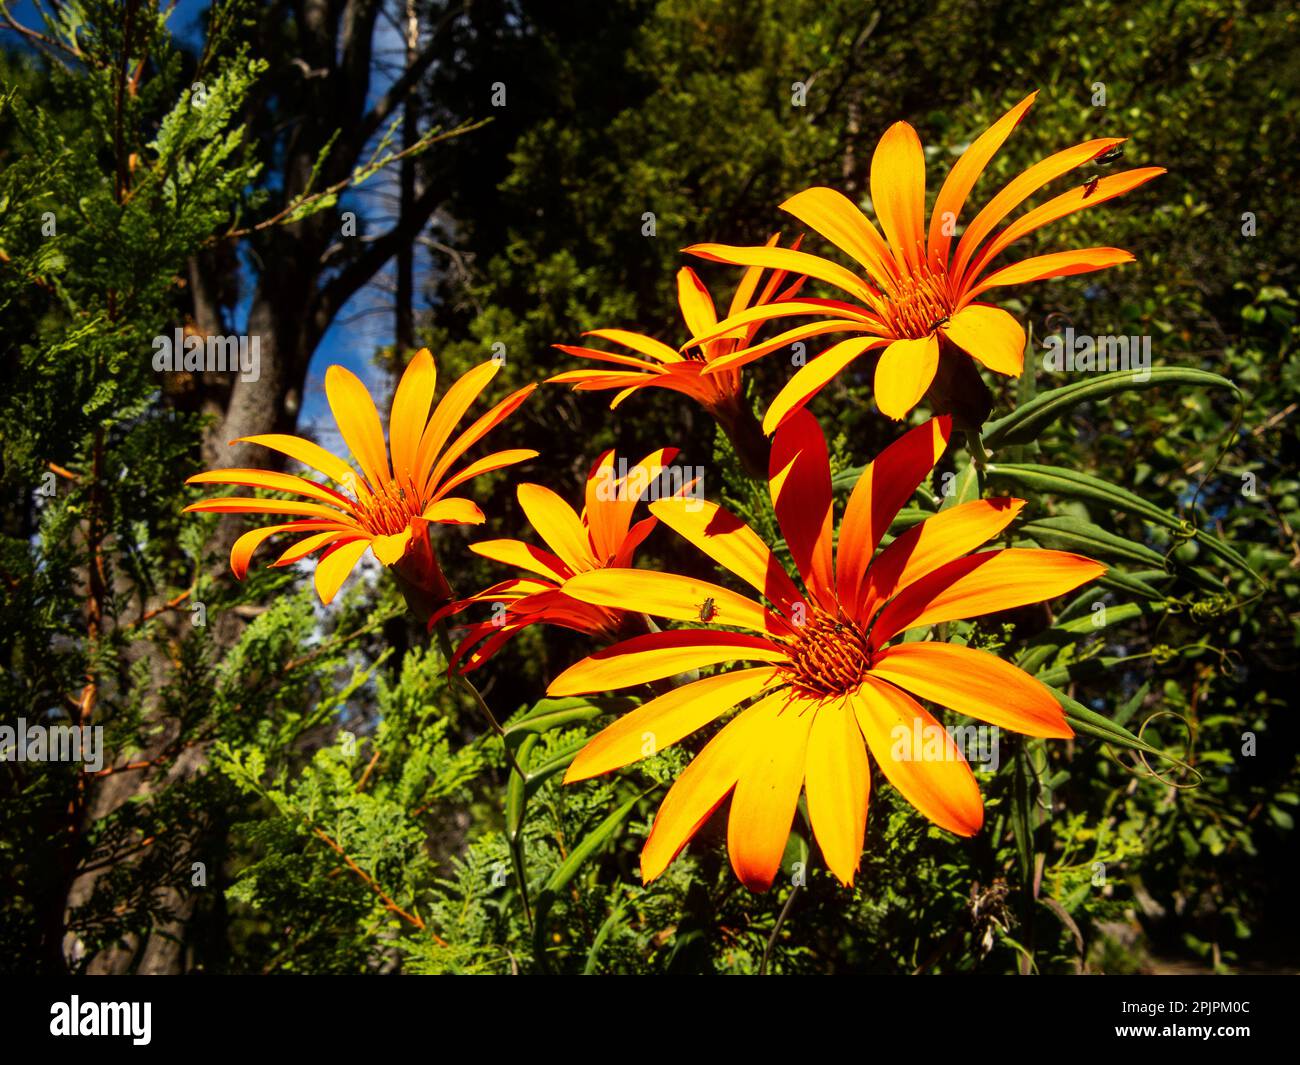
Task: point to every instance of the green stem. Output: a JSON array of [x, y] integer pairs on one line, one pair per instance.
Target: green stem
[[751, 445], [444, 644], [975, 445], [516, 842], [776, 930]]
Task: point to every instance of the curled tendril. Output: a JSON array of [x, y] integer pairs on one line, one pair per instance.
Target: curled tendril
[[1142, 755], [1213, 607], [1205, 608], [1185, 532], [1055, 321], [1229, 661]]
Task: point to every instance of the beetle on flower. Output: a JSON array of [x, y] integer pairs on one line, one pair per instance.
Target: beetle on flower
[[917, 298], [602, 535], [829, 681]]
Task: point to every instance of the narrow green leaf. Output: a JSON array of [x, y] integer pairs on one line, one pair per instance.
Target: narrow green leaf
[[547, 714], [562, 759], [1075, 534], [1028, 421], [607, 926], [1083, 669], [516, 795], [964, 489], [1131, 583], [1022, 827], [562, 876], [516, 808], [1133, 705], [1082, 719], [1112, 615], [1061, 481]]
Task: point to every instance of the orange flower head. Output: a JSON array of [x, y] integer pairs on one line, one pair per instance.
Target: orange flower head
[[387, 507], [827, 681], [656, 365], [603, 535], [917, 293]]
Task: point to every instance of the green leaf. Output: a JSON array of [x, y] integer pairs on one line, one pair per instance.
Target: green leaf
[[562, 876], [1079, 670], [547, 714], [607, 926], [1024, 424], [1075, 534], [1088, 721], [1133, 705], [1112, 615], [1133, 583], [1058, 480], [966, 488], [516, 807], [1022, 826], [516, 794], [562, 759]]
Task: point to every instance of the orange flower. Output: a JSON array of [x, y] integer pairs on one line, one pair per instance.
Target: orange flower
[[918, 294], [390, 507], [602, 535], [695, 374], [829, 685]]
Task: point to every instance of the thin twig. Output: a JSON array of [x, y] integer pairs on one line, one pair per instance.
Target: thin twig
[[171, 604], [334, 644], [370, 768], [776, 931], [444, 644], [339, 186], [36, 35], [412, 919]]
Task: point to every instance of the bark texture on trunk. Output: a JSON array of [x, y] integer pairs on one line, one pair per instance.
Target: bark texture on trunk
[[306, 272]]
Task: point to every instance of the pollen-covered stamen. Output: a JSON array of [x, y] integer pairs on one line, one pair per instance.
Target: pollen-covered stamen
[[388, 511], [919, 301], [829, 655]]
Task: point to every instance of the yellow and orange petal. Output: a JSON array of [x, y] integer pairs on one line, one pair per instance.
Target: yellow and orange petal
[[601, 536], [915, 288], [828, 689], [701, 374], [402, 486]]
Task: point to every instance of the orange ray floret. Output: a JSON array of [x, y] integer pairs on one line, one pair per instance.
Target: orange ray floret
[[700, 372], [916, 295], [828, 685], [402, 487], [602, 535]]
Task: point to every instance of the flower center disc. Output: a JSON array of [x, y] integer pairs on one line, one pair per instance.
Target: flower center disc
[[388, 511], [919, 303], [829, 656]]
